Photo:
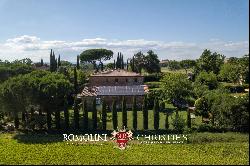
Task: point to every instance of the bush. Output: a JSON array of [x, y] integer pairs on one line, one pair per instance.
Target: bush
[[209, 128], [178, 123]]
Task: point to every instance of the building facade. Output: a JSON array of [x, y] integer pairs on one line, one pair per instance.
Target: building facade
[[114, 85]]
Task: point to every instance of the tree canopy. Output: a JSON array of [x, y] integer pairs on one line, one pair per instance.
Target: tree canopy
[[94, 55]]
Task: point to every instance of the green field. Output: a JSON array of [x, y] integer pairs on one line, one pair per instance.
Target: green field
[[205, 148]]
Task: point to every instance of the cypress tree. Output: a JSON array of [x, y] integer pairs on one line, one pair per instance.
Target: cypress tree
[[127, 64], [118, 61], [145, 113], [166, 121], [122, 63], [41, 62], [134, 114], [59, 61], [124, 113], [114, 115], [133, 64], [16, 120], [78, 62], [156, 114], [188, 119], [76, 113], [66, 113], [54, 63], [85, 115], [48, 119], [51, 61], [57, 117], [94, 115], [75, 81], [104, 115]]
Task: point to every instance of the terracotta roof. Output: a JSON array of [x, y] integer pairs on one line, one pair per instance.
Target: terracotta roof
[[117, 72]]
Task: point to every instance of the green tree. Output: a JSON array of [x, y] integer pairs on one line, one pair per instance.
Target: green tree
[[208, 79], [124, 113], [78, 62], [152, 63], [138, 62], [104, 115], [76, 113], [94, 55], [145, 113], [187, 64], [94, 115], [85, 115], [156, 114], [174, 65], [209, 62], [134, 110], [75, 81], [114, 115], [167, 121], [66, 113], [176, 87]]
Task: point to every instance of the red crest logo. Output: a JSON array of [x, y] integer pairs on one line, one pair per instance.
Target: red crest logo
[[122, 137]]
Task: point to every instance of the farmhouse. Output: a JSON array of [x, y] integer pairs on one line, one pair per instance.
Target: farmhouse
[[113, 85]]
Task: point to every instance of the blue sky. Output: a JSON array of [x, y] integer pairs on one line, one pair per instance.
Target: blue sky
[[174, 29]]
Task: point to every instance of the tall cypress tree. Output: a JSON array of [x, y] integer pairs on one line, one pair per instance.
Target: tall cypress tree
[[58, 119], [59, 61], [124, 113], [66, 113], [48, 118], [75, 81], [41, 62], [94, 115], [118, 61], [122, 62], [127, 64], [85, 115], [51, 61], [156, 114], [145, 113], [166, 121], [16, 120], [104, 115], [76, 113], [78, 62], [114, 115], [134, 110], [188, 119]]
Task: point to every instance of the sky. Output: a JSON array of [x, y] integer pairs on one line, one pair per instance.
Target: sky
[[173, 29]]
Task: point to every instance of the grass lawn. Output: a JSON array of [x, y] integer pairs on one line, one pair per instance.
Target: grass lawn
[[165, 69], [205, 148]]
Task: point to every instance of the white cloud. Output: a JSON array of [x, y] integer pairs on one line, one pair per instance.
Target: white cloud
[[35, 48]]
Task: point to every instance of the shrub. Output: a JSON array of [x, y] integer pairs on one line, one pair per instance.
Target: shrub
[[178, 123]]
